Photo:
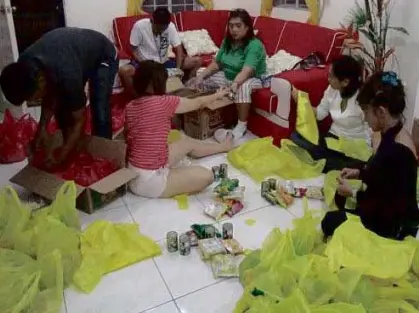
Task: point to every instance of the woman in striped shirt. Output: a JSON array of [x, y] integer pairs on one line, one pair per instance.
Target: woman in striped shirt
[[148, 123]]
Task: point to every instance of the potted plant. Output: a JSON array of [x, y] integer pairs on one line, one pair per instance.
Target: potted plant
[[372, 21]]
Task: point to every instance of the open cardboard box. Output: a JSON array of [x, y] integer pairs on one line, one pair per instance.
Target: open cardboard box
[[93, 197]]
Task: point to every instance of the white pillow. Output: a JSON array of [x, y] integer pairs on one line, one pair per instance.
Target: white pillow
[[198, 42], [281, 61]]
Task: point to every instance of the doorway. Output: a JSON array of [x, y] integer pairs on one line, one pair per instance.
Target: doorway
[[32, 19]]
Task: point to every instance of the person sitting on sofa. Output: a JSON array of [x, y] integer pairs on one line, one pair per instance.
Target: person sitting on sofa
[[387, 204], [150, 40], [148, 121], [239, 64], [340, 102]]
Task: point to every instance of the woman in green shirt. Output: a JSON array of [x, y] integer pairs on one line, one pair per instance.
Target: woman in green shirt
[[239, 64]]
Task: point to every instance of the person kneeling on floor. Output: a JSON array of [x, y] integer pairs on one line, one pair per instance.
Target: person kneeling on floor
[[387, 202], [150, 40], [148, 121], [240, 65]]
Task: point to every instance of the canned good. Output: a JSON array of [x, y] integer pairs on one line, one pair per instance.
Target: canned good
[[216, 172], [265, 186], [289, 186], [209, 232], [227, 231], [193, 238], [270, 198], [223, 171], [184, 245], [172, 241], [272, 183]]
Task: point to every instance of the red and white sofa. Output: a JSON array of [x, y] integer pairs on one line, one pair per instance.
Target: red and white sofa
[[299, 39]]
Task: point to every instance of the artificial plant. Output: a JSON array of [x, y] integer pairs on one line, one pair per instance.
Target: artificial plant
[[372, 20]]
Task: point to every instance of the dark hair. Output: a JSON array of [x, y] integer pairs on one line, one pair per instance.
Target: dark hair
[[247, 21], [347, 67], [384, 89], [150, 72], [161, 16], [19, 82]]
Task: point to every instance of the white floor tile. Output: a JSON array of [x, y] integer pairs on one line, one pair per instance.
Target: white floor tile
[[184, 274], [117, 215], [157, 217], [252, 237], [131, 290], [219, 298], [165, 308], [297, 209], [216, 160], [130, 198]]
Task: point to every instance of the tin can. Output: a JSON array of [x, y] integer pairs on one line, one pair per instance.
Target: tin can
[[272, 183], [172, 241], [184, 245], [223, 171], [289, 186], [193, 238], [265, 186], [227, 231], [209, 232], [216, 172]]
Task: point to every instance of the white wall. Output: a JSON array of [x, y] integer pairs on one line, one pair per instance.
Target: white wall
[[94, 14]]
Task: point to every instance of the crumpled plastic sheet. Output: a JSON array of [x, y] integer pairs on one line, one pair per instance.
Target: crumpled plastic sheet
[[82, 167], [44, 251], [356, 272], [261, 159]]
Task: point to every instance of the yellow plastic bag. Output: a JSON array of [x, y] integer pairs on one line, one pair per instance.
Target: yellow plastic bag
[[353, 148], [354, 246], [261, 159], [330, 188], [339, 308], [107, 247], [306, 124]]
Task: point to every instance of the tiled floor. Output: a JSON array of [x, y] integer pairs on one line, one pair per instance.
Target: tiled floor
[[172, 283]]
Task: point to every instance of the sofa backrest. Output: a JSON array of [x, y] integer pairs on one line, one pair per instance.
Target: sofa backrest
[[301, 39], [215, 21], [122, 27], [269, 32]]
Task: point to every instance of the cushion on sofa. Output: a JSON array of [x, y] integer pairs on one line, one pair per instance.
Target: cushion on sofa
[[301, 39], [213, 21], [269, 32], [197, 42]]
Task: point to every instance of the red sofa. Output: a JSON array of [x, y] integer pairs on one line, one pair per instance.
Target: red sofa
[[299, 39]]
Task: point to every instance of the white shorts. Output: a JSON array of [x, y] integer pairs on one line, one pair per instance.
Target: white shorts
[[149, 183]]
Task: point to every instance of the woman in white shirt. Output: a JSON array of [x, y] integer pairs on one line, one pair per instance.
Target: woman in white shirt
[[339, 101]]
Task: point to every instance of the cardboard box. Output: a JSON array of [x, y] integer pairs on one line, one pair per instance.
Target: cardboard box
[[173, 83], [203, 123], [93, 197]]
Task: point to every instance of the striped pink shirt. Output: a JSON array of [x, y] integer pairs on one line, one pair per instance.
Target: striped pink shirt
[[148, 122]]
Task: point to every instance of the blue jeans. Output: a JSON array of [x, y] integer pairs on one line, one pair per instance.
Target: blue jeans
[[101, 85]]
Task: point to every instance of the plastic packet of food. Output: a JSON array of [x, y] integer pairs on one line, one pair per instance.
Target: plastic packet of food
[[314, 192], [216, 210], [235, 208], [284, 198], [226, 265], [210, 247], [233, 246], [193, 238], [200, 230], [236, 194]]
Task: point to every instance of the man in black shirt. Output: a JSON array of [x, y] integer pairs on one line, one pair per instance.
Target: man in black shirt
[[55, 70]]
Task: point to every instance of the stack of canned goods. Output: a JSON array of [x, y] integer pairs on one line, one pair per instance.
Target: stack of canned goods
[[220, 172], [185, 241]]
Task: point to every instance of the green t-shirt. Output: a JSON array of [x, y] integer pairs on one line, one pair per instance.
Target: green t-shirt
[[232, 62]]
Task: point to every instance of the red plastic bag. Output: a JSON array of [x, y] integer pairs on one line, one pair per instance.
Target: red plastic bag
[[16, 135]]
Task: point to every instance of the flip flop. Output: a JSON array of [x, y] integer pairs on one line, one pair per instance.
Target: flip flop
[[221, 134]]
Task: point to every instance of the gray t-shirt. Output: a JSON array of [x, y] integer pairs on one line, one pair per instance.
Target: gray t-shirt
[[69, 57]]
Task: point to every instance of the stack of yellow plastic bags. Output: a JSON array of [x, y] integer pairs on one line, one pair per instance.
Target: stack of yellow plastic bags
[[355, 272], [44, 251]]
